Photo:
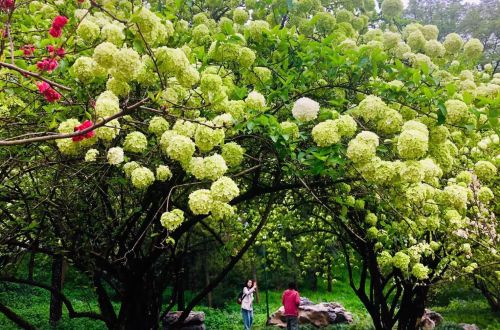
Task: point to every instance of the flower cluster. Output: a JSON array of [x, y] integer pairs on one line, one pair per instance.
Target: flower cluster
[[85, 69], [255, 101], [142, 177], [109, 131], [106, 105], [50, 94], [485, 170], [48, 65], [104, 54], [115, 156], [88, 31], [172, 220], [373, 110], [206, 138], [129, 167], [200, 201], [85, 125], [158, 125], [211, 167], [362, 148], [57, 25], [305, 109], [232, 154], [413, 142], [28, 50], [150, 27], [457, 112], [455, 196], [401, 261], [224, 189], [420, 271], [331, 131], [6, 5], [180, 148], [392, 8], [91, 155], [453, 43], [163, 173], [135, 142], [326, 133]]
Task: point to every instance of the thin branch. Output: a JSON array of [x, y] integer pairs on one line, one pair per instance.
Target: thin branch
[[70, 135], [34, 75]]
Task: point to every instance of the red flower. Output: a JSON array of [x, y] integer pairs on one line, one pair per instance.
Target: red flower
[[6, 5], [48, 65], [86, 124], [43, 86], [50, 94], [28, 50], [60, 52], [55, 32], [56, 52], [59, 22]]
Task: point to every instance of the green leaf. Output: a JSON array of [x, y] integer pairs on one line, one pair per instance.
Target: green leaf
[[442, 113]]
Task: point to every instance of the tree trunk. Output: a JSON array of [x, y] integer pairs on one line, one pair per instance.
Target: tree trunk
[[254, 275], [181, 302], [412, 307], [140, 309], [329, 276], [57, 284], [314, 285], [31, 266], [207, 281], [492, 299]]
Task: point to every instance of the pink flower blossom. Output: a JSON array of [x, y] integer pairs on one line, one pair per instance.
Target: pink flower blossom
[[50, 94], [86, 124]]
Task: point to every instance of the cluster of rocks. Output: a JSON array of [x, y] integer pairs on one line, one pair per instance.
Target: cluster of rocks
[[431, 319], [318, 315], [195, 321]]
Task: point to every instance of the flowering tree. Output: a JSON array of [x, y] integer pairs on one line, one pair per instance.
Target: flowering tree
[[146, 127]]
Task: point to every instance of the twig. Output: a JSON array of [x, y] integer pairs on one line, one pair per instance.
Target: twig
[[34, 75]]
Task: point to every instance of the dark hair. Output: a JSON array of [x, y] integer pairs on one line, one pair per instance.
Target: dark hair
[[292, 286], [246, 283]]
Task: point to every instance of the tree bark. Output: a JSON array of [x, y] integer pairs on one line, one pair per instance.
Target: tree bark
[[412, 307], [254, 275], [207, 281], [181, 301], [329, 276], [141, 305], [57, 279], [31, 266]]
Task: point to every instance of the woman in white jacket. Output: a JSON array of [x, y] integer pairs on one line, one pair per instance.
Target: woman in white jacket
[[246, 304]]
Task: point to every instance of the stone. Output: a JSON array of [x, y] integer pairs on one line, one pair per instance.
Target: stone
[[194, 321], [318, 315], [430, 320], [469, 326]]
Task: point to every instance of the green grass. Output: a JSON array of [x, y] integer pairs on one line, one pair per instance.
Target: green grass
[[456, 302]]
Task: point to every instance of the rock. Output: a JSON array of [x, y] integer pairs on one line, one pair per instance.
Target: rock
[[430, 320], [469, 326], [436, 317], [319, 315], [195, 321]]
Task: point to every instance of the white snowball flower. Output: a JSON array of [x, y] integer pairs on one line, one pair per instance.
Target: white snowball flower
[[115, 156], [305, 109]]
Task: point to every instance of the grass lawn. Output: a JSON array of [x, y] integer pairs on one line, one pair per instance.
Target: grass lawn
[[455, 303]]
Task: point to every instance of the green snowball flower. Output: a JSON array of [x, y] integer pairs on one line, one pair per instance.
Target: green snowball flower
[[135, 142], [142, 177]]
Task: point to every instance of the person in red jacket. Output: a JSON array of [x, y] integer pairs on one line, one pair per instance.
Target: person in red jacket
[[291, 301]]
